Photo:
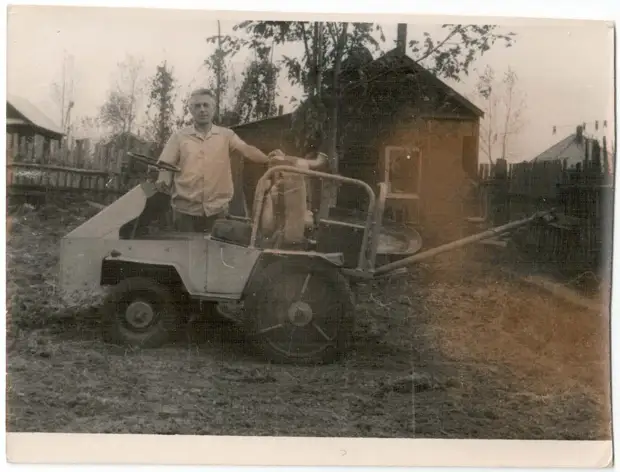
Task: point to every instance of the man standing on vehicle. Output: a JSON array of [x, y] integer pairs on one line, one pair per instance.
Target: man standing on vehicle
[[202, 191]]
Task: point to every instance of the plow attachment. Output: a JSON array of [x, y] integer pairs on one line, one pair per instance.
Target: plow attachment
[[408, 261]]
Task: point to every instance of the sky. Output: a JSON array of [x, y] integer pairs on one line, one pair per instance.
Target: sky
[[564, 67]]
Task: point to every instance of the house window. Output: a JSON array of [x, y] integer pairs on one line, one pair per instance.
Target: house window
[[402, 171]]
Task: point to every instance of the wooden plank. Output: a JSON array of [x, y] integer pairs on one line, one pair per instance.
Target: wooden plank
[[38, 148], [9, 145], [21, 153], [30, 150], [15, 149], [606, 164], [99, 206], [586, 162], [33, 165]]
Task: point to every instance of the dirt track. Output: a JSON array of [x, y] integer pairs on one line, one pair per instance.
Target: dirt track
[[455, 350]]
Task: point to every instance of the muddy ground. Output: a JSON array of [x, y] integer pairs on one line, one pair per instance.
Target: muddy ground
[[455, 349]]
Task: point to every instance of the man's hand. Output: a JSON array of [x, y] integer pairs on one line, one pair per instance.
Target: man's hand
[[276, 157], [152, 173], [162, 186], [276, 152]]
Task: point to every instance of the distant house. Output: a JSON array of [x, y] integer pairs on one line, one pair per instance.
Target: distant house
[[421, 138], [30, 133], [571, 149]]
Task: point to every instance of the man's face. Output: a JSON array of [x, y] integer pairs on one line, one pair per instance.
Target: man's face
[[202, 108]]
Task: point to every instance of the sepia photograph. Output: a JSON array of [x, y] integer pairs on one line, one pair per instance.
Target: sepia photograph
[[263, 225]]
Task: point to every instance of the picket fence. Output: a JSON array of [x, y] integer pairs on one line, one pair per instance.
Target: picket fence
[[36, 165]]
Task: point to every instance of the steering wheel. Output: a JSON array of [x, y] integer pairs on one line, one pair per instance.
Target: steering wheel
[[152, 162]]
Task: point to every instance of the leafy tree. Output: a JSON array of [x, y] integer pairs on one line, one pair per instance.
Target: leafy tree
[[161, 105], [257, 93], [329, 48], [454, 54], [220, 81], [184, 118]]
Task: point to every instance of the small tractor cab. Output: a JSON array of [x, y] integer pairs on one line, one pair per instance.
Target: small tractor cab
[[289, 269]]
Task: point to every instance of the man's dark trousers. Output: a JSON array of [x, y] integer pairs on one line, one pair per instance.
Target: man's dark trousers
[[195, 224]]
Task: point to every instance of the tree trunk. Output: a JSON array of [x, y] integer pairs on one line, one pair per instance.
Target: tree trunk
[[330, 190], [335, 102], [318, 52], [507, 122], [218, 77]]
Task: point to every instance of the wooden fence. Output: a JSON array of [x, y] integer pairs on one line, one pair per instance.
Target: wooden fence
[[37, 179], [36, 166], [580, 239]]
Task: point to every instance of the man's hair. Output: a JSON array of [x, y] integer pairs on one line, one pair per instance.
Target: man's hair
[[201, 91]]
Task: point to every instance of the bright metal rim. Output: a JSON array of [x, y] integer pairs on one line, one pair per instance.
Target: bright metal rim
[[300, 314], [139, 314]]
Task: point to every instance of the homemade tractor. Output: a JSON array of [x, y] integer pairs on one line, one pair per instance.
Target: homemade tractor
[[289, 270]]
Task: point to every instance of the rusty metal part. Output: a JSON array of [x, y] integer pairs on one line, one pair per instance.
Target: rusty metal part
[[262, 187]]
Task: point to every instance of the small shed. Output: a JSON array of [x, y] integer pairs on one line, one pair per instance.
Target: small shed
[[398, 124], [31, 135]]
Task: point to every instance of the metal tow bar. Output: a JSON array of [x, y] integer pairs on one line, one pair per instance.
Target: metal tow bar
[[382, 270]]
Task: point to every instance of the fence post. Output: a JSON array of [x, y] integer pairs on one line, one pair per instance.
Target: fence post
[[606, 162], [500, 193]]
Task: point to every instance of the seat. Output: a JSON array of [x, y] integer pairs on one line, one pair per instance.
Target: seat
[[232, 231]]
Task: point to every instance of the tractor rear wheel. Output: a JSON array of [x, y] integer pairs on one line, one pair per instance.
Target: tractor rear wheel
[[139, 312], [300, 311]]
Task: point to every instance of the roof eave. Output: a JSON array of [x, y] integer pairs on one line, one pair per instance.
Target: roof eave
[[263, 120], [30, 122]]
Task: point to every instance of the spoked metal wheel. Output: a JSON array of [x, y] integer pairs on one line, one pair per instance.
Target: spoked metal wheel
[[300, 311], [140, 313]]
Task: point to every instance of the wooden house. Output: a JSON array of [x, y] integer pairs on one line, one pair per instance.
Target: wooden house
[[399, 124], [31, 135]]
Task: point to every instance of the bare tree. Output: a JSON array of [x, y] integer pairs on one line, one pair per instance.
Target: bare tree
[[88, 126], [485, 89], [125, 96], [63, 91], [505, 106]]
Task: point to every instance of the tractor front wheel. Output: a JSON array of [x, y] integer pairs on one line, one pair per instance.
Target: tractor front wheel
[[139, 312], [300, 311]]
